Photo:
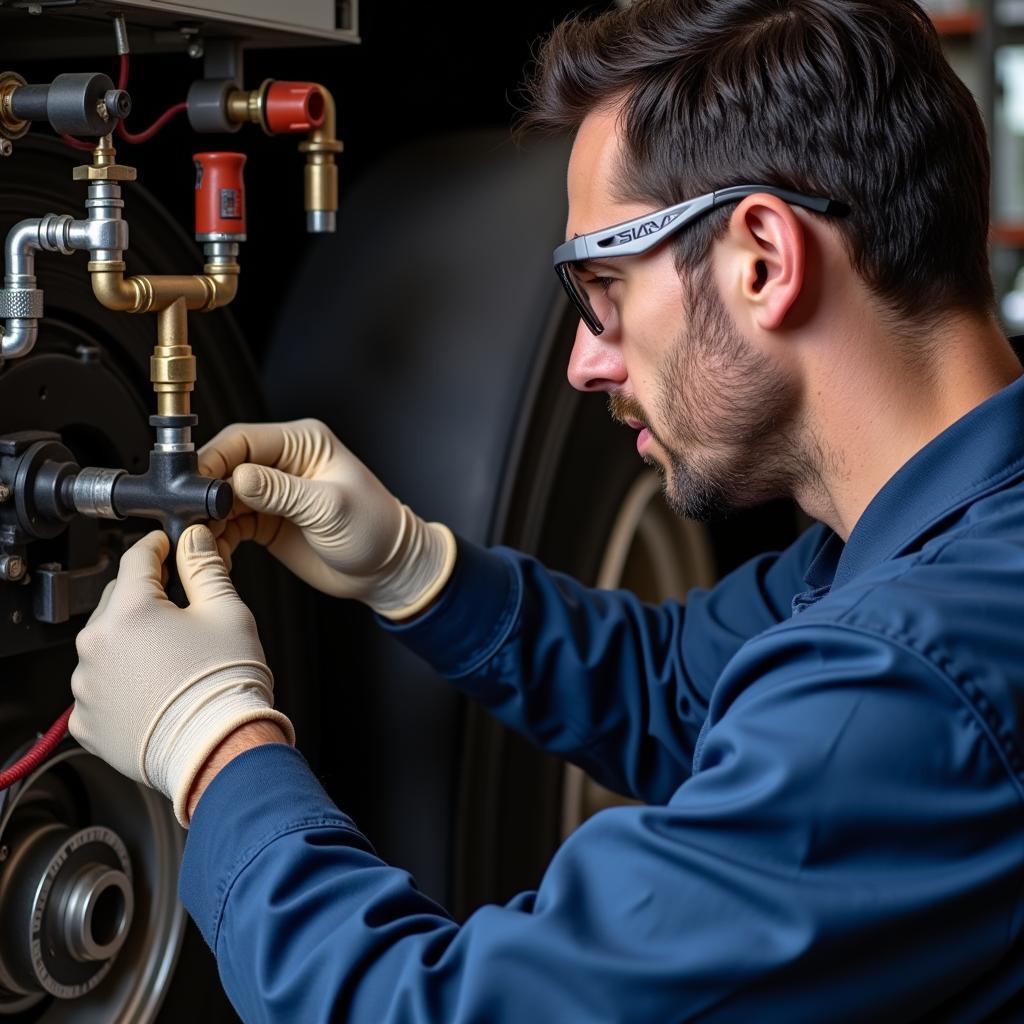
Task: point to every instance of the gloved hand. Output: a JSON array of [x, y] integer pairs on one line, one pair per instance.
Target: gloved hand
[[159, 687], [325, 516]]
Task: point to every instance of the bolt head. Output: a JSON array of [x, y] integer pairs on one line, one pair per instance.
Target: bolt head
[[195, 49], [5, 493], [4, 854], [16, 618], [6, 147], [12, 568]]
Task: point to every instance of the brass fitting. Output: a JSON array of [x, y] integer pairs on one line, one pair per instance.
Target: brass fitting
[[170, 296], [249, 106], [172, 367], [104, 166], [11, 127], [321, 170]]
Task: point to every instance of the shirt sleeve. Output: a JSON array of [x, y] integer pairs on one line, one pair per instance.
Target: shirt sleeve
[[849, 846], [598, 677]]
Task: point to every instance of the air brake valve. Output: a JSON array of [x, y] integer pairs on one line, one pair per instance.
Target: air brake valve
[[73, 104], [45, 487], [279, 108]]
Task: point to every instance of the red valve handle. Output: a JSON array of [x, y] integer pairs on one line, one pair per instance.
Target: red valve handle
[[294, 107], [220, 197]]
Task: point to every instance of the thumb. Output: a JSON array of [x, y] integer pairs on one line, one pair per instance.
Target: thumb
[[141, 569], [265, 489], [204, 576]]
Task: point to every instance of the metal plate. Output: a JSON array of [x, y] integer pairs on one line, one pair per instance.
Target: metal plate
[[84, 28]]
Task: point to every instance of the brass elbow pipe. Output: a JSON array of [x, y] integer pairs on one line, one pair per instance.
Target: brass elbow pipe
[[321, 177], [291, 113], [217, 286], [170, 296], [172, 366]]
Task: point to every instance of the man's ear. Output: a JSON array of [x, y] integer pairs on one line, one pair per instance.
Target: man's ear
[[769, 244]]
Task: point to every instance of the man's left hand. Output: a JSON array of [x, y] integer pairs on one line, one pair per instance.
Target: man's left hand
[[159, 687]]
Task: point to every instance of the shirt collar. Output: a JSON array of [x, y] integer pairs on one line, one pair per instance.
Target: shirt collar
[[978, 453]]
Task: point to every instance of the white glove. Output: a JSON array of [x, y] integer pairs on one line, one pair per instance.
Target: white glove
[[325, 516], [158, 687]]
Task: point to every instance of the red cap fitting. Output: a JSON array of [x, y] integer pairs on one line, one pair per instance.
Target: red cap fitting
[[294, 107], [220, 197]]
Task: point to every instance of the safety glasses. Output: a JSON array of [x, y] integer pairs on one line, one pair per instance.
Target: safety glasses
[[633, 237]]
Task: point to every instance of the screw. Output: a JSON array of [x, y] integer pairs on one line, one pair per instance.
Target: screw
[[12, 568], [34, 8], [116, 103], [87, 353], [4, 854], [6, 148], [16, 618], [195, 49], [5, 493]]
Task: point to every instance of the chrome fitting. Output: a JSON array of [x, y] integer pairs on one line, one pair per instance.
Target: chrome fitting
[[92, 493], [12, 568]]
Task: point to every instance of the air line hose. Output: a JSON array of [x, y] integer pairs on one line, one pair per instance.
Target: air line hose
[[40, 751]]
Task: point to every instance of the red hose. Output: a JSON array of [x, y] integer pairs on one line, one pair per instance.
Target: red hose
[[39, 752], [69, 140], [147, 133]]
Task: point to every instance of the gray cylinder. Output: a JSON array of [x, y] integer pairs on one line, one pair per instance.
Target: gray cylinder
[[208, 105], [71, 103]]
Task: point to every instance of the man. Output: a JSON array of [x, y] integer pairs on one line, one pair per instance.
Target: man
[[829, 741]]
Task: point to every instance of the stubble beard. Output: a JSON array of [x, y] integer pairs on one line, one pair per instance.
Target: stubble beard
[[728, 417]]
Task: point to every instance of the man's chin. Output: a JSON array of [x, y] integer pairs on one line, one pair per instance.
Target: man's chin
[[693, 496]]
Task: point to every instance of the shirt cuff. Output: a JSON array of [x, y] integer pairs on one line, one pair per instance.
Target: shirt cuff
[[255, 798], [473, 615]]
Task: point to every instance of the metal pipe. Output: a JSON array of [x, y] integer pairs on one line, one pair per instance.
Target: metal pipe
[[21, 302], [321, 175]]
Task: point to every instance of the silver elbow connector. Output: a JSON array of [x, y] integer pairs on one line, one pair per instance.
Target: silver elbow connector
[[21, 302], [18, 337]]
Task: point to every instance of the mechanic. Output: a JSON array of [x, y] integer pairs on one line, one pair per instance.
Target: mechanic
[[828, 742]]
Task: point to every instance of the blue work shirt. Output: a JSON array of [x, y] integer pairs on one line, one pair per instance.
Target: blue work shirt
[[829, 744]]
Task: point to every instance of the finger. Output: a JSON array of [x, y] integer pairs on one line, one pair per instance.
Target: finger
[[103, 602], [296, 447], [142, 566], [241, 442], [204, 576], [279, 494], [225, 552]]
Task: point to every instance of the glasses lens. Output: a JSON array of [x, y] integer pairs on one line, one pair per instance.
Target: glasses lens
[[577, 293]]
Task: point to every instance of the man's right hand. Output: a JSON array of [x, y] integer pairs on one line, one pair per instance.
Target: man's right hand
[[323, 514]]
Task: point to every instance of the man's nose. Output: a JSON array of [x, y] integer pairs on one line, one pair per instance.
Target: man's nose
[[596, 362]]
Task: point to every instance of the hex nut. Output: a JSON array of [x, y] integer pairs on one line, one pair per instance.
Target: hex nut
[[12, 568], [113, 172]]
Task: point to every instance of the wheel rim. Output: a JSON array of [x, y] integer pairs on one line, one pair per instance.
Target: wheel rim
[[90, 922]]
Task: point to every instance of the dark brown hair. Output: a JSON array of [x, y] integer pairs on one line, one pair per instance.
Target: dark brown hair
[[850, 99]]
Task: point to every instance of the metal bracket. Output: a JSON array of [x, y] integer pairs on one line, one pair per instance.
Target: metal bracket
[[58, 594]]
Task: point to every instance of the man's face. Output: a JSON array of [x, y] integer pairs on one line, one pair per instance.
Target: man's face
[[714, 414]]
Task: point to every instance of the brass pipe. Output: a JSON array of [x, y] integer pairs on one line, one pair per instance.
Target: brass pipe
[[248, 106], [321, 174], [144, 293], [172, 367]]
